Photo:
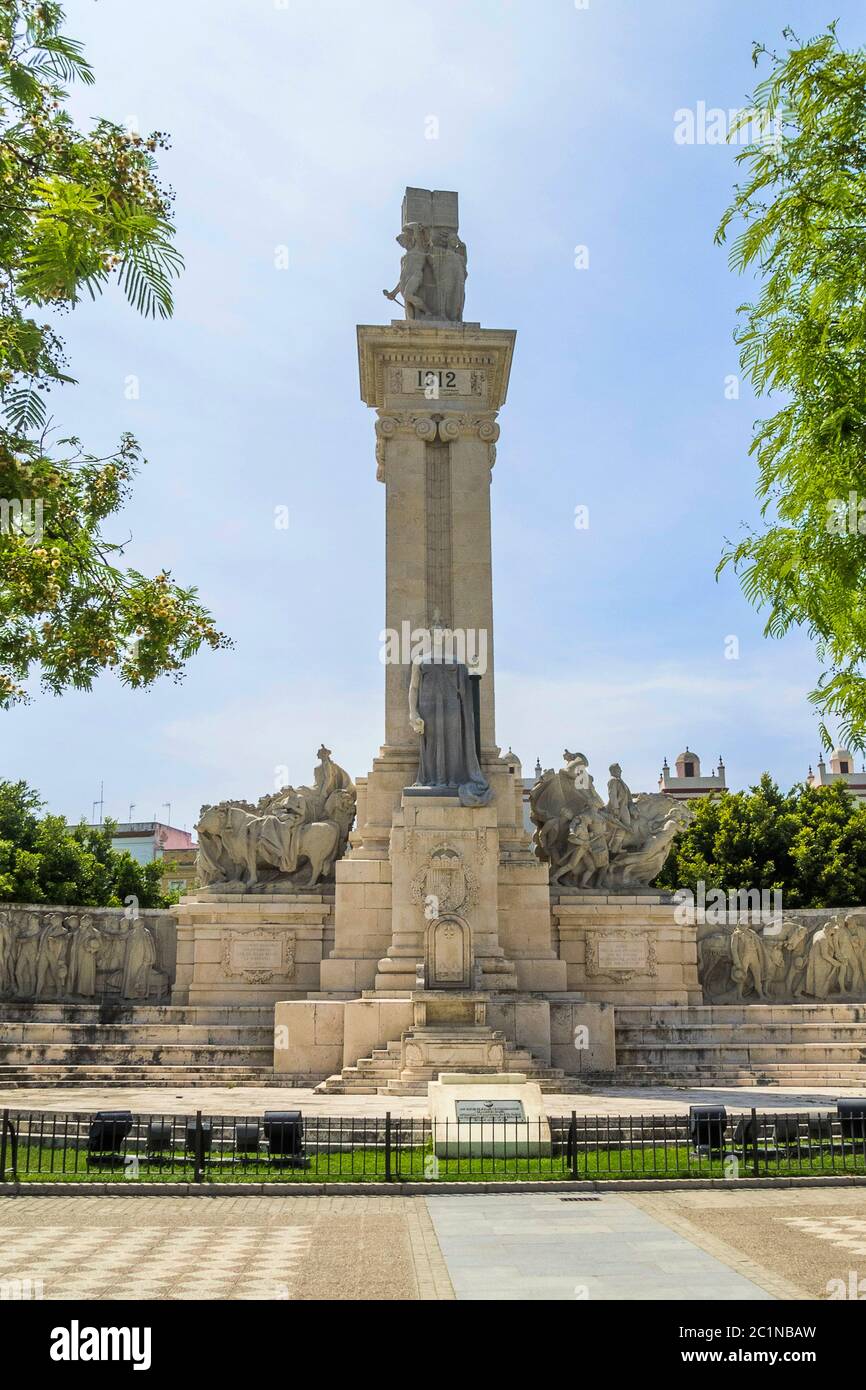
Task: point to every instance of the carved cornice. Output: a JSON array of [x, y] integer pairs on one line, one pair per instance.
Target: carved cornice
[[485, 352]]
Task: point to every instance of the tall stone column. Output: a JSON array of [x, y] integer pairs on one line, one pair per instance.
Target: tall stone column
[[437, 392]]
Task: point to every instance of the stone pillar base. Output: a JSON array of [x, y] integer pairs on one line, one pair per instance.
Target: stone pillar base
[[250, 948]]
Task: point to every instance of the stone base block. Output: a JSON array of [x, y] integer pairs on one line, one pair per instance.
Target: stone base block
[[582, 1038], [249, 948], [308, 1040], [541, 976], [626, 952], [371, 1023]]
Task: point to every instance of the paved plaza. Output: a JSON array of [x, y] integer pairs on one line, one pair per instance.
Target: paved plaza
[[252, 1100], [706, 1245]]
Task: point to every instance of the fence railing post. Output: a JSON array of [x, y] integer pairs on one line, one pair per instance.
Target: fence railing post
[[199, 1148], [387, 1145], [9, 1133], [756, 1167], [572, 1143]]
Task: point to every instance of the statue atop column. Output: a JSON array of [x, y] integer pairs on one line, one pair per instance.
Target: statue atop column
[[434, 264]]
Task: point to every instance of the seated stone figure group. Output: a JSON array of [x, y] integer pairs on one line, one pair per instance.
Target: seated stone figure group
[[291, 837]]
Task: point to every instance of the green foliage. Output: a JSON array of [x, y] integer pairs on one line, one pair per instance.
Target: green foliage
[[42, 860], [802, 209], [77, 209], [810, 843]]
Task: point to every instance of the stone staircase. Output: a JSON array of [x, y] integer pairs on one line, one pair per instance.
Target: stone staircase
[[379, 1074], [741, 1045], [134, 1045]]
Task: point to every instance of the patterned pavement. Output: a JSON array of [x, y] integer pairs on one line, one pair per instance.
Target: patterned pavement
[[753, 1244]]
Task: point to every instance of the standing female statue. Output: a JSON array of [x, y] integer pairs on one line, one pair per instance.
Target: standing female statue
[[440, 710]]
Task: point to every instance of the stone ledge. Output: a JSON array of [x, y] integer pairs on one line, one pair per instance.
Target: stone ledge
[[406, 1189]]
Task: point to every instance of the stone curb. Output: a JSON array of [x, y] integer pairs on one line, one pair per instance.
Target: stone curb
[[405, 1189]]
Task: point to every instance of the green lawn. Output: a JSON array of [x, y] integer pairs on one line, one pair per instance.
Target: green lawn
[[37, 1164]]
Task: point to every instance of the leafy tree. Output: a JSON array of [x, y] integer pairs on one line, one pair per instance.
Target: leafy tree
[[802, 210], [42, 860], [77, 210], [810, 843]]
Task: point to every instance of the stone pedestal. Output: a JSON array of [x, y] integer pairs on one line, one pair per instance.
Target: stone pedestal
[[488, 1116], [250, 948], [624, 949]]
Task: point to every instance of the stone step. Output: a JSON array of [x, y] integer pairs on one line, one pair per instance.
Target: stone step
[[158, 1034], [261, 1016], [652, 1015], [119, 1054], [380, 1073], [734, 1054], [807, 1031], [12, 1078], [689, 1081]]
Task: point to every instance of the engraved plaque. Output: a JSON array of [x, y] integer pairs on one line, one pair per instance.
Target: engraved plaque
[[435, 382], [623, 953], [255, 954], [499, 1111]]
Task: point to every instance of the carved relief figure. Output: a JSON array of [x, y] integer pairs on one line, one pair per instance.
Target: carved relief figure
[[7, 953], [26, 956], [748, 958], [825, 965], [794, 961], [51, 968], [139, 958], [83, 954], [49, 955]]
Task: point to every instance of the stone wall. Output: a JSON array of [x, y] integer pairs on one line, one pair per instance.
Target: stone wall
[[53, 952]]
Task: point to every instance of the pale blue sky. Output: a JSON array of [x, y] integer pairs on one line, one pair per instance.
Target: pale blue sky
[[300, 125]]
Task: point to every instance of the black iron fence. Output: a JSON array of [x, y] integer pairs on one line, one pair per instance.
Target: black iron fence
[[288, 1146]]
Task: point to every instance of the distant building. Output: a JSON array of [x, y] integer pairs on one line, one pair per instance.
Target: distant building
[[179, 875], [149, 840], [841, 770], [688, 782]]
